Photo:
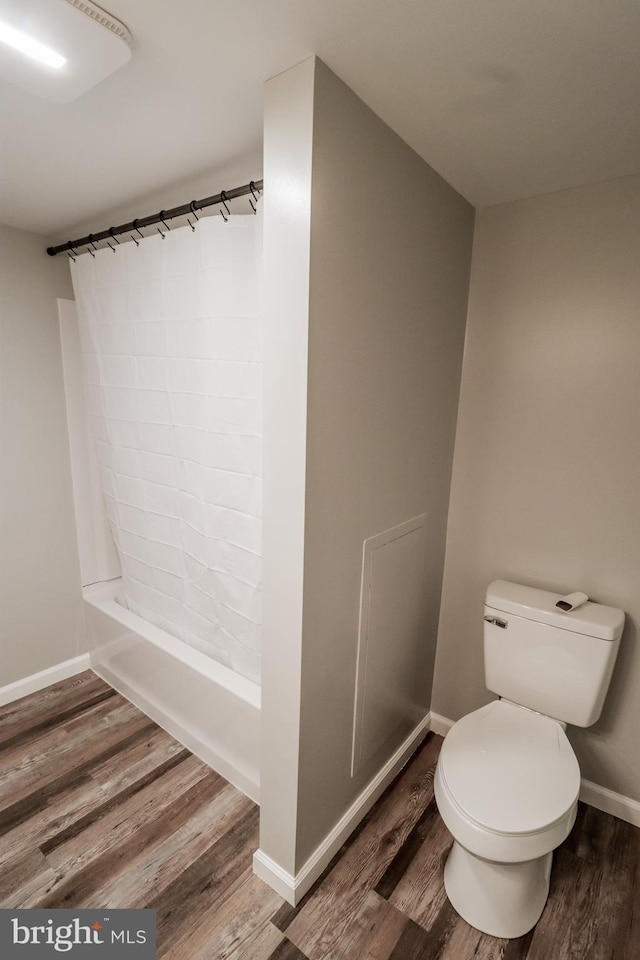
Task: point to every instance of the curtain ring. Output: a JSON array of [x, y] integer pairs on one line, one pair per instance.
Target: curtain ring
[[223, 201]]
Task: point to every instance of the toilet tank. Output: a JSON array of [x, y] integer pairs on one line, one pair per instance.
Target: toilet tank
[[559, 664]]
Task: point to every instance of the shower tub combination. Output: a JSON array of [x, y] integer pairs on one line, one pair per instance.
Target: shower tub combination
[[212, 710], [158, 390]]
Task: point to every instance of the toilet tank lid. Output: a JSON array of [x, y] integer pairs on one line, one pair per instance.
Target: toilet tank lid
[[591, 619]]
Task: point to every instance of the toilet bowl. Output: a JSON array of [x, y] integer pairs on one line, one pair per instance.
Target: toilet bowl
[[506, 786]]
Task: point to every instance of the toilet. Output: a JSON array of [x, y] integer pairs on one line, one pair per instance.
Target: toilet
[[507, 779]]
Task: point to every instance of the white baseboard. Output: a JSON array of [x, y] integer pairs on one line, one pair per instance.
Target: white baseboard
[[440, 725], [38, 681], [624, 808], [293, 888], [280, 880]]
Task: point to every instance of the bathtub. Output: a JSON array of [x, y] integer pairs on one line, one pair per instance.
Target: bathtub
[[213, 711]]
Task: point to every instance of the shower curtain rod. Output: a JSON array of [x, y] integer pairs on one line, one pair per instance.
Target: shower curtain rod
[[253, 187]]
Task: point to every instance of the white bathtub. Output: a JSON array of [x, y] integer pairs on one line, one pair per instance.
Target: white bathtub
[[213, 711]]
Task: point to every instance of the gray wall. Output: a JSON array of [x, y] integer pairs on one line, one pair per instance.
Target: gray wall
[[39, 578], [390, 258], [546, 480]]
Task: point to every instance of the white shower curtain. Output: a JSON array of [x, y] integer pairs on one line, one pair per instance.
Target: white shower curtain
[[171, 346]]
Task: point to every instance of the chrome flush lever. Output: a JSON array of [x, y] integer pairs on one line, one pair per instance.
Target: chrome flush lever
[[497, 622]]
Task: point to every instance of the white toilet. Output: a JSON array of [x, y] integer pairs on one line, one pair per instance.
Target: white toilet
[[507, 779]]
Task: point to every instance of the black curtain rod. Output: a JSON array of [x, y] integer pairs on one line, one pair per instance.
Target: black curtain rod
[[249, 188]]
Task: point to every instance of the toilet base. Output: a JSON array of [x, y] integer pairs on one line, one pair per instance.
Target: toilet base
[[501, 899]]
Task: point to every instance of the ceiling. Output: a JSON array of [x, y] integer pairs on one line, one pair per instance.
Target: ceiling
[[504, 98]]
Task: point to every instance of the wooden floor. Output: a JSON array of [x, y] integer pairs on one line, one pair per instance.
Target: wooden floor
[[101, 808]]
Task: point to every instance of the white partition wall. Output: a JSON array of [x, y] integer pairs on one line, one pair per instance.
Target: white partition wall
[[287, 226], [367, 255]]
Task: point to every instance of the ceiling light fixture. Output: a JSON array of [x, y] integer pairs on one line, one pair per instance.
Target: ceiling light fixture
[[30, 47], [82, 40]]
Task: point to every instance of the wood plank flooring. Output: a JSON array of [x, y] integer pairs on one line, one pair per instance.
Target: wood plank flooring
[[99, 807]]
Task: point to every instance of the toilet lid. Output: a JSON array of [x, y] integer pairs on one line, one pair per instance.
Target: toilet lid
[[509, 769]]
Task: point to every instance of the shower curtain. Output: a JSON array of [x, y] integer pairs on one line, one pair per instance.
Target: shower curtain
[[171, 346]]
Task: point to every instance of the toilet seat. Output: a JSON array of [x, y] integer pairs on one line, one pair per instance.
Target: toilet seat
[[510, 770], [507, 782]]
